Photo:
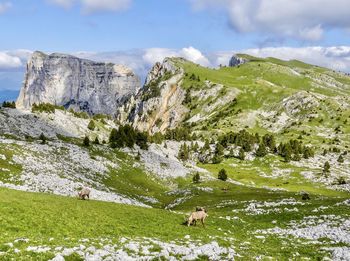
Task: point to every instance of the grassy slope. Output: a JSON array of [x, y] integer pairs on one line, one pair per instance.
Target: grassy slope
[[264, 83], [40, 217]]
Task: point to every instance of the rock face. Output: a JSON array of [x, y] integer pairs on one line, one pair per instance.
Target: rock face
[[236, 60], [158, 105], [75, 83]]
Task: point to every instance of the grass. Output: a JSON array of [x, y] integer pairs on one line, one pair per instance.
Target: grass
[[40, 217]]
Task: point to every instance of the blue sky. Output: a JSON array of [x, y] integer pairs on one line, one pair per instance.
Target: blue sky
[[138, 33]]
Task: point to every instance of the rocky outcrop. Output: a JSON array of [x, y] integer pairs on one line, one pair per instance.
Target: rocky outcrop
[[158, 105], [236, 60], [80, 84]]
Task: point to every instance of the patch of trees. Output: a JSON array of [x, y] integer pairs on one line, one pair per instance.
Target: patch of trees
[[294, 150], [152, 89], [243, 139], [8, 104], [178, 134], [194, 77], [45, 107], [291, 150], [127, 136]]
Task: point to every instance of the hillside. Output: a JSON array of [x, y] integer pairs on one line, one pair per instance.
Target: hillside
[[272, 125]]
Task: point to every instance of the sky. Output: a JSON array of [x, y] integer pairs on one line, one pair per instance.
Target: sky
[[138, 33]]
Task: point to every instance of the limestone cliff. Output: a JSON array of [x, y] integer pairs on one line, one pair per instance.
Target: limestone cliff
[[80, 84]]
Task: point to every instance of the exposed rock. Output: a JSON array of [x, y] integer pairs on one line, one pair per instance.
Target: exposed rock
[[158, 105], [236, 60], [80, 84]]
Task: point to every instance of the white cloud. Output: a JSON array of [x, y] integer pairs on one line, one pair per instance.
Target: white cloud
[[153, 55], [336, 58], [301, 19], [93, 6], [8, 61], [192, 54], [63, 3], [4, 7]]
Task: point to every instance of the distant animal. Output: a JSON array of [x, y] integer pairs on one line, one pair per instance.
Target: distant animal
[[199, 214], [85, 192]]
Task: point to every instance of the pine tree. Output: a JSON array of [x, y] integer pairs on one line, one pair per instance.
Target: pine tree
[[196, 178], [183, 152], [216, 159], [206, 145], [222, 175], [86, 141], [296, 157], [326, 168], [42, 138], [241, 154], [96, 141], [261, 151], [219, 150]]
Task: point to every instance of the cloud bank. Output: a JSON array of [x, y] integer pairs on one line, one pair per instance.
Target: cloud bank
[[299, 19]]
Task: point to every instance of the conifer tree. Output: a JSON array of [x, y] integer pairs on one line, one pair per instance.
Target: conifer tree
[[86, 141], [196, 178], [326, 168], [241, 154], [261, 151], [42, 138], [222, 175]]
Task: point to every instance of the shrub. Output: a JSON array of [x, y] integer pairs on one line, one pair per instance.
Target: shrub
[[91, 125], [222, 175], [340, 159], [196, 178], [341, 181]]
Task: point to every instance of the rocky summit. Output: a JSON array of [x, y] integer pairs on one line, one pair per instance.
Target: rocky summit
[[80, 84]]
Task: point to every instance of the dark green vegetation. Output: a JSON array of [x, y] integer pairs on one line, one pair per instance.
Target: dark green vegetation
[[46, 107], [7, 104], [127, 136]]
